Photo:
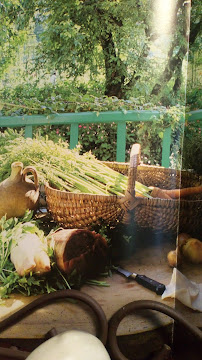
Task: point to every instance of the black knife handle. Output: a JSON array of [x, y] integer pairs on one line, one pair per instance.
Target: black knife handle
[[150, 284]]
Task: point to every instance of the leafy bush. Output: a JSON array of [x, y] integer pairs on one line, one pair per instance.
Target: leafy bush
[[194, 98], [192, 154], [99, 138]]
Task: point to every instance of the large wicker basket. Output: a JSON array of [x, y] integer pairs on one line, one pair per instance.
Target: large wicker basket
[[83, 210], [165, 178], [161, 214]]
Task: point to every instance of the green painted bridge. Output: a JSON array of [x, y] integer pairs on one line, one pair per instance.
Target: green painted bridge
[[118, 117]]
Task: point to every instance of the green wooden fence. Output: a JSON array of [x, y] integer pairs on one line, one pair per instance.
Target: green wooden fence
[[118, 117]]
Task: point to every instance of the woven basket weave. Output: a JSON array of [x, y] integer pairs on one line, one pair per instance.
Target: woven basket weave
[[169, 215], [161, 177], [83, 210], [161, 214]]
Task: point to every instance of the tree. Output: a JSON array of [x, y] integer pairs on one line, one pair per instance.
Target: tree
[[92, 35], [111, 38], [13, 30], [196, 24], [178, 49], [195, 43]]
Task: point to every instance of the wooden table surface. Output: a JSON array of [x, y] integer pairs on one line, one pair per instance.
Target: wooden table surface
[[64, 315]]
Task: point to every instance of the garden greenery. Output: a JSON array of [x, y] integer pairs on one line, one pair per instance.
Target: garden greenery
[[99, 138]]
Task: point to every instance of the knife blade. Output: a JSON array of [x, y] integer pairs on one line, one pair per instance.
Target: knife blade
[[147, 282]]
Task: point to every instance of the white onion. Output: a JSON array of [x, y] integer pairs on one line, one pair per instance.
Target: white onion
[[71, 345]]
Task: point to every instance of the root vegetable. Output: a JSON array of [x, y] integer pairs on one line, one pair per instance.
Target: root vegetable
[[174, 258], [192, 251], [29, 254], [74, 345], [176, 193], [81, 250], [159, 193]]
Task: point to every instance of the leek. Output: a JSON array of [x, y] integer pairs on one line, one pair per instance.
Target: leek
[[64, 169]]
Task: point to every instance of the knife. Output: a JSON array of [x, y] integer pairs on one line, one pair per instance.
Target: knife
[[150, 284]]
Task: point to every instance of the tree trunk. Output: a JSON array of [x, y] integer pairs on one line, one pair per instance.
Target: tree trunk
[[173, 67], [115, 69]]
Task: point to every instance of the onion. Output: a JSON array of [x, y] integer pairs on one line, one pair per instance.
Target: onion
[[71, 345]]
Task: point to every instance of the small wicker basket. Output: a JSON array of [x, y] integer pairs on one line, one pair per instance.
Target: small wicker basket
[[84, 210]]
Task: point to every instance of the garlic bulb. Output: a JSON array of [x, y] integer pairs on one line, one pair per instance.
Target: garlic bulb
[[71, 345]]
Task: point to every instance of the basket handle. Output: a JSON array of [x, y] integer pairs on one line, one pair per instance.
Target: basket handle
[[132, 172], [129, 202]]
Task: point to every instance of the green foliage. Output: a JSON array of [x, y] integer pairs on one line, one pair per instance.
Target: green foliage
[[99, 138], [10, 281], [113, 42], [194, 98], [195, 29], [32, 283], [31, 99], [192, 154], [13, 32]]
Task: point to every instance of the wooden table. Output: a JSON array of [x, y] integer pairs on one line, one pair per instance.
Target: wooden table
[[65, 315]]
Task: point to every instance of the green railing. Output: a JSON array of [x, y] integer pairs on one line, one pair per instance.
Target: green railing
[[117, 117]]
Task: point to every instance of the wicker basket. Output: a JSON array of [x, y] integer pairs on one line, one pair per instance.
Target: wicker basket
[[161, 214], [82, 210], [159, 176]]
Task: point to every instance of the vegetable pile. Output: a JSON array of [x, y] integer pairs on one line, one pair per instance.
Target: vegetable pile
[[16, 275], [10, 280], [63, 168], [66, 169]]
